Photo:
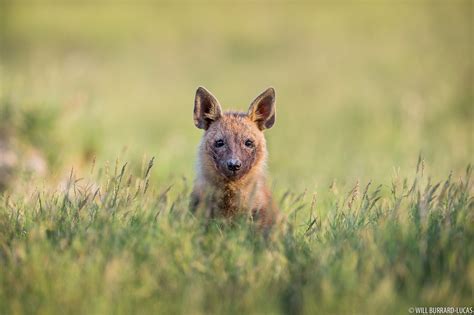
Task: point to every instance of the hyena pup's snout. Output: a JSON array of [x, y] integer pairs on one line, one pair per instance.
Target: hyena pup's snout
[[232, 168], [234, 165], [237, 159]]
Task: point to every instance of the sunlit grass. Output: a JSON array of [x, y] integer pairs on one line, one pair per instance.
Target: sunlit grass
[[111, 243]]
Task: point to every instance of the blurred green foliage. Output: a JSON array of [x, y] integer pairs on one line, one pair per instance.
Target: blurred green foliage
[[362, 88]]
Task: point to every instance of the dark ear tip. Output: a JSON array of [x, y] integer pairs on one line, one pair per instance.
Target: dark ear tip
[[271, 90], [200, 90]]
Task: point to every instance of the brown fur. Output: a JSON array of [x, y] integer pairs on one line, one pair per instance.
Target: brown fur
[[220, 191]]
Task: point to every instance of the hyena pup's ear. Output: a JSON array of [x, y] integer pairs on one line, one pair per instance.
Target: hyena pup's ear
[[262, 109], [206, 108]]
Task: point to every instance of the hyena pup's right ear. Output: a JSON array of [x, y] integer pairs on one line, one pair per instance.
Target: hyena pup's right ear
[[206, 108], [262, 109]]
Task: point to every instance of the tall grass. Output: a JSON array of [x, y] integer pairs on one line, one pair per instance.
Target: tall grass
[[112, 243]]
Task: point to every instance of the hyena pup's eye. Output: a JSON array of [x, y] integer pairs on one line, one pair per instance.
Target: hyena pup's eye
[[249, 143], [219, 143]]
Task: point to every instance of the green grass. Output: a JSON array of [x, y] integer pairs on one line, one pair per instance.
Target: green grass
[[126, 247], [363, 89]]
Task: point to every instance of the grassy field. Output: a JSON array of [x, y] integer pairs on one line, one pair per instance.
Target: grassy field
[[368, 159]]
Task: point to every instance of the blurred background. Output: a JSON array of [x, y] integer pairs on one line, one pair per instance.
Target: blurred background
[[363, 88]]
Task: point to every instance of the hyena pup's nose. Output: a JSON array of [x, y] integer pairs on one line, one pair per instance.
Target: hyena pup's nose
[[233, 165]]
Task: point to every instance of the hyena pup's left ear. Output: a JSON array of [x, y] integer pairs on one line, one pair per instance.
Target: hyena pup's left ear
[[206, 108], [262, 109]]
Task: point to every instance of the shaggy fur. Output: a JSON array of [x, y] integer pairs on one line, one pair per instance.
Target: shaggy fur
[[233, 138]]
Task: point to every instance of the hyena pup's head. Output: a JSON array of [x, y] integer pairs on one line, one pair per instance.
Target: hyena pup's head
[[233, 145]]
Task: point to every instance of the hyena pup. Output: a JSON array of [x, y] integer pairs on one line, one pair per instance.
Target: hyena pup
[[232, 159]]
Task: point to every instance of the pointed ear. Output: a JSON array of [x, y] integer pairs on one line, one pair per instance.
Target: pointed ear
[[262, 109], [206, 108]]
